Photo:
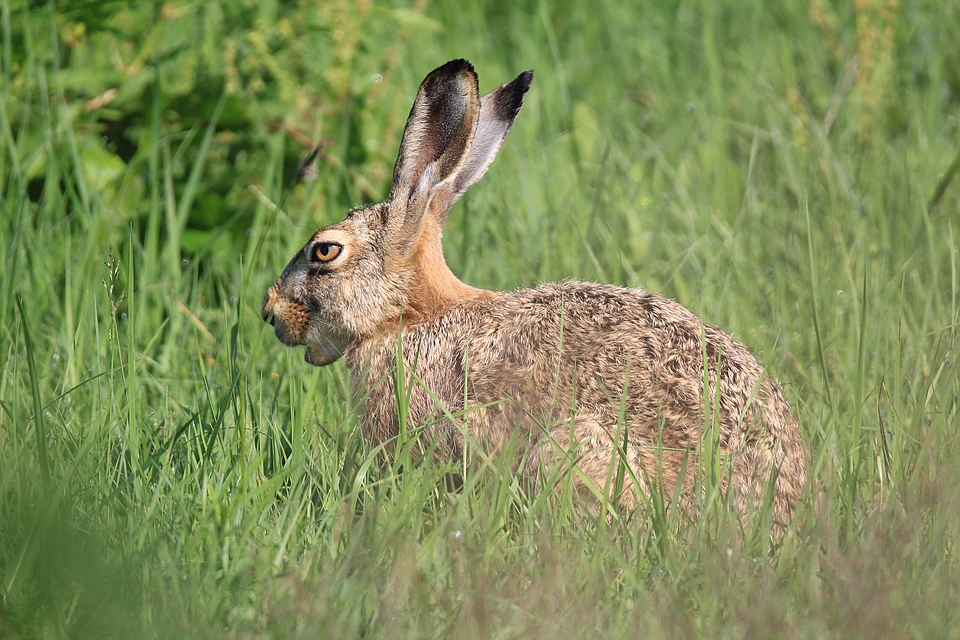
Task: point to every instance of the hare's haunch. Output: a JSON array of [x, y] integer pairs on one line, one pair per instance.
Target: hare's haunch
[[588, 375]]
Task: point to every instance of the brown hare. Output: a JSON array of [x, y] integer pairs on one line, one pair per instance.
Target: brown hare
[[591, 374]]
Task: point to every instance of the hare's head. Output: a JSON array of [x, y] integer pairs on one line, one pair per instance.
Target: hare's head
[[385, 261]]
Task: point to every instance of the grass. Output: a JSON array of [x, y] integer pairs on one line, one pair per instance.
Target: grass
[[167, 468]]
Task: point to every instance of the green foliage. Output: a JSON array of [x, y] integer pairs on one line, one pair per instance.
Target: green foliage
[[168, 469]]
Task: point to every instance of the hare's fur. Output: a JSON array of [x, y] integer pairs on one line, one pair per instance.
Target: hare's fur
[[588, 374]]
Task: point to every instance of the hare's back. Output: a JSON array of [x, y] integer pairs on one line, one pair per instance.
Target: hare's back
[[605, 354], [586, 322], [617, 349]]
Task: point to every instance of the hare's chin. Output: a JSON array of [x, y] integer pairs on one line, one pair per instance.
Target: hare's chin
[[317, 356]]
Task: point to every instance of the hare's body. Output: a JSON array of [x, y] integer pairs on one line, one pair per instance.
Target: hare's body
[[529, 364], [576, 377]]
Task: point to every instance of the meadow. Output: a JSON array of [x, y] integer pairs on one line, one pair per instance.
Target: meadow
[[786, 170]]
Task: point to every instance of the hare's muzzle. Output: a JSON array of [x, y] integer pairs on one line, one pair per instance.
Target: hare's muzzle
[[289, 318], [269, 301]]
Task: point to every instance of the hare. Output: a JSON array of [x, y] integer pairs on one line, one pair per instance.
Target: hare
[[608, 379]]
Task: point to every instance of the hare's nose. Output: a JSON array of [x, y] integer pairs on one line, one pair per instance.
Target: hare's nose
[[269, 300]]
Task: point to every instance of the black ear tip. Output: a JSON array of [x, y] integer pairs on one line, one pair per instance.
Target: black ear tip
[[524, 79], [447, 77], [520, 85], [510, 96], [454, 67]]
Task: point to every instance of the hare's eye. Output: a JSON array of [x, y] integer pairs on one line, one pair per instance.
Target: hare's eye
[[325, 251]]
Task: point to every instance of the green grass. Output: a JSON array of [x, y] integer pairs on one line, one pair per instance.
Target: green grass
[[168, 469]]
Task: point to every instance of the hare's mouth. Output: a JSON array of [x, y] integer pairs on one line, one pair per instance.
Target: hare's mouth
[[325, 344], [284, 333], [320, 357], [314, 355]]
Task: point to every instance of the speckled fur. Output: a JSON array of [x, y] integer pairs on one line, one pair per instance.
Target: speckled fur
[[556, 371]]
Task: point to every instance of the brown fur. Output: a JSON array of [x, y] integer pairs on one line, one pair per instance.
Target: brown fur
[[576, 376]]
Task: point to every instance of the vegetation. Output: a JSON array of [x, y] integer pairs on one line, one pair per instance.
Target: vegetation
[[167, 468]]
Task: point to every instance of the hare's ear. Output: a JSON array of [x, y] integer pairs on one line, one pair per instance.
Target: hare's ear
[[435, 140], [498, 110]]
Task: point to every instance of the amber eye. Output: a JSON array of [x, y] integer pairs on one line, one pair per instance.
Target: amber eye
[[325, 251]]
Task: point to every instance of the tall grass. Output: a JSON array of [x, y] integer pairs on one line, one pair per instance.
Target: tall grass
[[167, 468]]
